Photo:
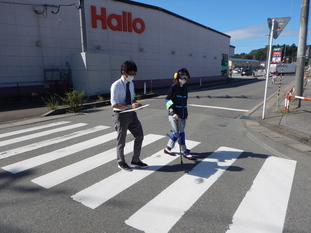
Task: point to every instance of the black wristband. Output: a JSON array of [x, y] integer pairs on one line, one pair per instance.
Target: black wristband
[[171, 113]]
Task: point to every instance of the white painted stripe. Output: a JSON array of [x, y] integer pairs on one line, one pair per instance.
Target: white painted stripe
[[61, 175], [215, 107], [104, 190], [162, 213], [57, 154], [32, 129], [264, 206], [37, 145], [41, 134]]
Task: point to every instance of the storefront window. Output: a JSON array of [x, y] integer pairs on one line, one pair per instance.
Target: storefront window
[[224, 64]]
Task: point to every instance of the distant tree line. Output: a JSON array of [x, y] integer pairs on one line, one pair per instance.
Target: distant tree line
[[261, 54]]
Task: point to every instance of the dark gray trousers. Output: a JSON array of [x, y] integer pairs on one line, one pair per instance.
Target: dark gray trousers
[[123, 122]]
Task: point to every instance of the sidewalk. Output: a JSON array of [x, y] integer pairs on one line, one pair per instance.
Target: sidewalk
[[21, 111], [292, 128]]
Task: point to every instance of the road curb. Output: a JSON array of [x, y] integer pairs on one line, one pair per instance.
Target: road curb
[[90, 105]]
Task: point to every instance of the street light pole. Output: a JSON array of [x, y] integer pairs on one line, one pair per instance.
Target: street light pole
[[268, 69]]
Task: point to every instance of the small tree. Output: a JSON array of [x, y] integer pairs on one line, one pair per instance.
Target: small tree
[[74, 99]]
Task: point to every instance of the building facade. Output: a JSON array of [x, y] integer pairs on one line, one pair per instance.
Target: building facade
[[245, 63], [63, 45]]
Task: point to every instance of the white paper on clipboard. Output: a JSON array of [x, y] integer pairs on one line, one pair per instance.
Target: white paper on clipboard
[[134, 109]]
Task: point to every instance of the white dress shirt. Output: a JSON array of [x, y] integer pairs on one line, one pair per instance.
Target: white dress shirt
[[118, 92]]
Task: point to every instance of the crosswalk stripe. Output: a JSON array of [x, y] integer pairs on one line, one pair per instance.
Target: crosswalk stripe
[[3, 135], [159, 216], [41, 134], [40, 144], [57, 154], [104, 190], [61, 175], [263, 208], [222, 108]]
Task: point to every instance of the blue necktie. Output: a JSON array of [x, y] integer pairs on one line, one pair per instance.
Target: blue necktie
[[128, 94]]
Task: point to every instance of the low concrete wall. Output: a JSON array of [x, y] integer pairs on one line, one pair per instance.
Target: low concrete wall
[[28, 91], [139, 84]]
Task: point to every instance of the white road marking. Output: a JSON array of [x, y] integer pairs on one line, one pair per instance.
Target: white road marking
[[41, 134], [263, 208], [32, 129], [57, 154], [37, 145], [56, 177], [215, 107], [106, 189], [162, 213]]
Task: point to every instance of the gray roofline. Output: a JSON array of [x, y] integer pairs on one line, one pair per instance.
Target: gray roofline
[[170, 13], [250, 60]]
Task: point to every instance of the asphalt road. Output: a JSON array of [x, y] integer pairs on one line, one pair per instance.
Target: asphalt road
[[60, 175]]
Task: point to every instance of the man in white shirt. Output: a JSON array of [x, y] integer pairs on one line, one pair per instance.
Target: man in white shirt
[[122, 98]]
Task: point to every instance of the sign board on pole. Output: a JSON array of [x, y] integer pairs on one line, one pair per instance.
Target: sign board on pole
[[279, 25], [276, 26], [277, 54]]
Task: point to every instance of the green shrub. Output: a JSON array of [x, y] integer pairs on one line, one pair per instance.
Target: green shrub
[[100, 98], [52, 101], [74, 99]]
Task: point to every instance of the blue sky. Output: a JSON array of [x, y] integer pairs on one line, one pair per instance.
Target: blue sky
[[244, 20]]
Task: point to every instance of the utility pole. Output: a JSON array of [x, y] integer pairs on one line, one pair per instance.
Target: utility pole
[[304, 17], [83, 26]]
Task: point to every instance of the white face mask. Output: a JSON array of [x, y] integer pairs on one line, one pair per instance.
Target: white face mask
[[182, 81], [130, 78]]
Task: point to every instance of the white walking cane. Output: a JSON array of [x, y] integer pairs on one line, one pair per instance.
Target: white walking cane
[[177, 127]]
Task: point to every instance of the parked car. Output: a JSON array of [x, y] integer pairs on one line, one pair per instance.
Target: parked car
[[247, 72]]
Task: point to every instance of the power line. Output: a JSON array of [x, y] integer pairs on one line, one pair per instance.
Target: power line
[[44, 5]]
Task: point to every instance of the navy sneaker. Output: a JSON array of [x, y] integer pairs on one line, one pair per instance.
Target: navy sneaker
[[125, 167], [139, 164]]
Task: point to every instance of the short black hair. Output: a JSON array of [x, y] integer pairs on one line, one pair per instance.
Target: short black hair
[[128, 66], [184, 70]]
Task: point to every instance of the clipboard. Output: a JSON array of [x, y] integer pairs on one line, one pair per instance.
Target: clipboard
[[135, 109]]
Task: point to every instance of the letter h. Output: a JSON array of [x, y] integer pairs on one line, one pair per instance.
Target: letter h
[[96, 17]]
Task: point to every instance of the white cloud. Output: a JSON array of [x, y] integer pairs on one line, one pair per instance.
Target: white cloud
[[255, 32], [289, 33], [249, 32], [256, 36]]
